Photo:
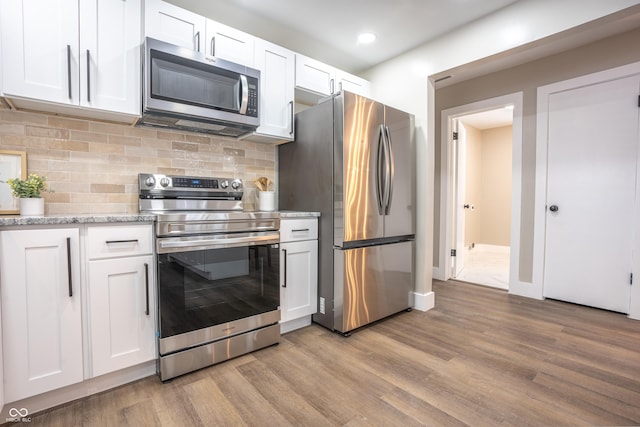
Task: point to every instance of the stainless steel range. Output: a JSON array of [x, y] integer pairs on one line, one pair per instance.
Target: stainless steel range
[[217, 269]]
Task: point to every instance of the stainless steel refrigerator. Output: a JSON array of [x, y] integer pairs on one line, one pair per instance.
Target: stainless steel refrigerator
[[353, 160]]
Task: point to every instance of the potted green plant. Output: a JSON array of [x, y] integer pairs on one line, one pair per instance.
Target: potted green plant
[[29, 191]]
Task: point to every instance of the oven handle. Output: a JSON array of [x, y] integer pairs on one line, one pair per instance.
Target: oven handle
[[177, 244]]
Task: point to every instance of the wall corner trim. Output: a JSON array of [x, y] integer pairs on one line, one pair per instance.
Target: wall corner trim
[[424, 302]]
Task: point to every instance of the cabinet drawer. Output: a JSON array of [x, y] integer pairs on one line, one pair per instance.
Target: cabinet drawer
[[119, 241], [292, 230]]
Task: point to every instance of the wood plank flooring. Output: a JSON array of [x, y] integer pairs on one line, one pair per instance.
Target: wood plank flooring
[[481, 357]]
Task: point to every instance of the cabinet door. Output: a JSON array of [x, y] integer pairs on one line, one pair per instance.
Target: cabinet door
[[40, 49], [230, 44], [314, 76], [40, 275], [121, 312], [351, 83], [110, 55], [277, 75], [298, 279], [172, 24]]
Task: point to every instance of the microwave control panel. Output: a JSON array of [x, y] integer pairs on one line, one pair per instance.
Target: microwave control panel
[[252, 103]]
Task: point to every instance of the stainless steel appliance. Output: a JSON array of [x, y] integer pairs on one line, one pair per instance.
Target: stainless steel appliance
[[184, 89], [353, 160], [217, 271]]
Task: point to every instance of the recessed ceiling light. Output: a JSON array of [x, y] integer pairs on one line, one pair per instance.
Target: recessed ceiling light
[[366, 38], [508, 107]]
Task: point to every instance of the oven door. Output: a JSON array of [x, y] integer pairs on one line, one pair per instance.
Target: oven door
[[215, 286]]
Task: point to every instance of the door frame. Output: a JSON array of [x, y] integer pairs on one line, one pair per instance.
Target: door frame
[[540, 217], [447, 180]]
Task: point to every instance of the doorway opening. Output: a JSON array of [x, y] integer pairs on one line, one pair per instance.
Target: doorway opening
[[482, 143], [480, 193]]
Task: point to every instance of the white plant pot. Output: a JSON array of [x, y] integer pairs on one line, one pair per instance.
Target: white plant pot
[[266, 200], [33, 206]]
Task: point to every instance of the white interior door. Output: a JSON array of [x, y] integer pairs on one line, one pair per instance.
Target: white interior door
[[461, 168], [591, 191]]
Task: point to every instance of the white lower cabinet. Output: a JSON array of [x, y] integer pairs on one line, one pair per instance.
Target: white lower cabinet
[[121, 306], [298, 272], [121, 295], [41, 311], [62, 309]]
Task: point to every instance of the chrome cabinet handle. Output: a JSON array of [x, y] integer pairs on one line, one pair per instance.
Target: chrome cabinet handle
[[146, 287], [331, 86], [88, 76], [291, 123], [109, 242], [69, 267], [284, 283], [196, 44], [213, 46], [299, 229], [69, 70]]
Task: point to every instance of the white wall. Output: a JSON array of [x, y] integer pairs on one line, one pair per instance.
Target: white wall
[[403, 82]]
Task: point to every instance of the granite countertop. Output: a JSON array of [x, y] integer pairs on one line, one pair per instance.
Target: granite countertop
[[13, 220], [7, 220], [298, 214]]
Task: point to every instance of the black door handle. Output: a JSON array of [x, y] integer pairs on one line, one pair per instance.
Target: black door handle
[[553, 208]]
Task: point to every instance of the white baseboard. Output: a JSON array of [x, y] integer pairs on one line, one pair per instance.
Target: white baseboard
[[525, 289], [424, 302], [292, 325]]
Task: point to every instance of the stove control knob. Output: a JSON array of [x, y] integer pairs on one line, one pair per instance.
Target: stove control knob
[[236, 184], [150, 181], [164, 182], [224, 184]]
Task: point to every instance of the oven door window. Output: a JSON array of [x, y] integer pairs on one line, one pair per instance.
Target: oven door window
[[204, 288]]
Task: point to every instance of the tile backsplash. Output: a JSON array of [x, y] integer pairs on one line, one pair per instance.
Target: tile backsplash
[[93, 166]]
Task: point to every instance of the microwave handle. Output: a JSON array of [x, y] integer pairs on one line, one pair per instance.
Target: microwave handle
[[244, 94]]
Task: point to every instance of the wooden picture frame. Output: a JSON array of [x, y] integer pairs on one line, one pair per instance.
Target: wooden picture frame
[[13, 164]]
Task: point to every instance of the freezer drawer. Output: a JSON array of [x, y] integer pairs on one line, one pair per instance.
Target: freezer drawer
[[371, 283]]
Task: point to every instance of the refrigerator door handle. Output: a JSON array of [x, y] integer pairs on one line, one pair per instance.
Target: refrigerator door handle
[[380, 167], [390, 171]]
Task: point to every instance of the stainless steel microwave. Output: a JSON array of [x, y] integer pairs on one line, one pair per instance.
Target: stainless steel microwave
[[184, 89]]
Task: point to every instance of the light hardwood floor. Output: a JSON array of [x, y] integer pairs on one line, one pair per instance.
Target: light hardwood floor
[[481, 358]]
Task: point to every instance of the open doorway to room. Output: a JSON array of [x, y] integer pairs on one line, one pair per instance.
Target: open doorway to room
[[480, 192], [482, 143]]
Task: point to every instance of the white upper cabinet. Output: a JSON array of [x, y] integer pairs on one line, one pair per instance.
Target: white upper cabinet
[[41, 61], [172, 24], [315, 79], [72, 53], [277, 75], [229, 44], [351, 83], [314, 76], [110, 55]]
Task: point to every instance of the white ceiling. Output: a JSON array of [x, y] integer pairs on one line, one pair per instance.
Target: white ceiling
[[489, 119], [327, 30]]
